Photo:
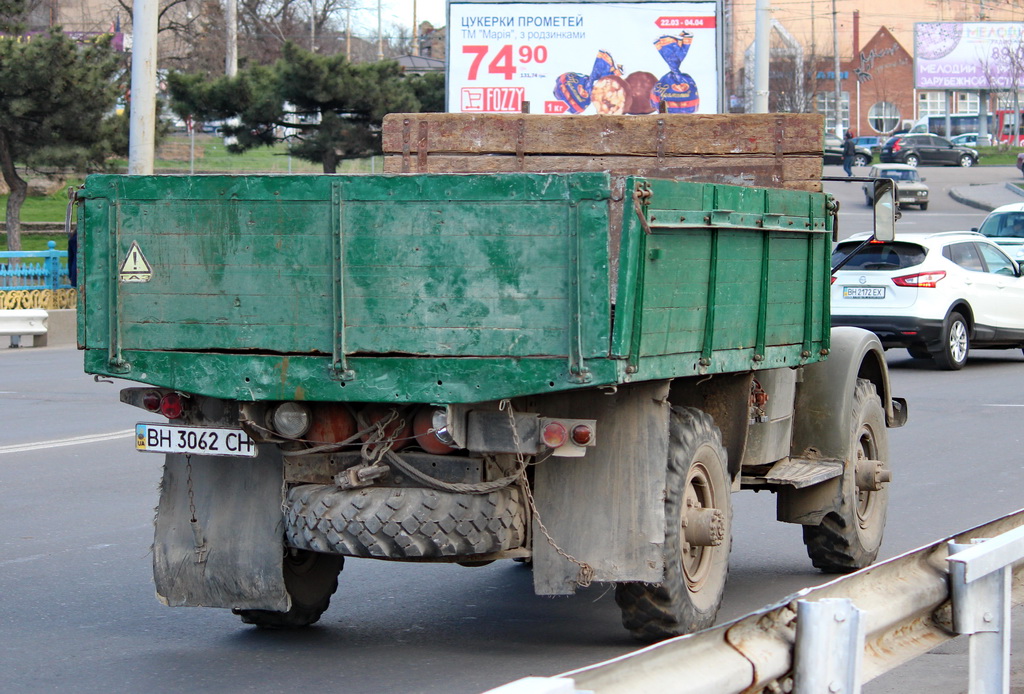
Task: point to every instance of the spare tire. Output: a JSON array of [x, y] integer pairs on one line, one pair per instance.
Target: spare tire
[[403, 523]]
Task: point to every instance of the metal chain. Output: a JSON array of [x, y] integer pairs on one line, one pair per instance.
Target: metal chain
[[379, 442], [586, 572], [191, 493]]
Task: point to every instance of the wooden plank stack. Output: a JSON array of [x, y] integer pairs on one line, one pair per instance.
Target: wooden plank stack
[[781, 150]]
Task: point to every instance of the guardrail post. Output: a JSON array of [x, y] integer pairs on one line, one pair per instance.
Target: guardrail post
[[829, 647], [52, 266], [980, 582]]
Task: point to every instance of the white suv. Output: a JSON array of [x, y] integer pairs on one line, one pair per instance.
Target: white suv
[[1005, 226], [936, 294]]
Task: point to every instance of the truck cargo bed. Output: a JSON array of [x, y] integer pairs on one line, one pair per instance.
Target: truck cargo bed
[[444, 288]]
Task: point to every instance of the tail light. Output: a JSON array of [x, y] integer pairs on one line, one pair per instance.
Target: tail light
[[582, 434], [172, 406], [554, 435], [151, 401], [921, 280]]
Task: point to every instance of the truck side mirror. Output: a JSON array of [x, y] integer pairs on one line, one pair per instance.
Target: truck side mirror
[[885, 209]]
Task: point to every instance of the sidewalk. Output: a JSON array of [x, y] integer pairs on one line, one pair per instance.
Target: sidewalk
[[987, 196]]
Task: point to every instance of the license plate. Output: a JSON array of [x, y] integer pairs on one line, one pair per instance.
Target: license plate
[[863, 292], [168, 438]]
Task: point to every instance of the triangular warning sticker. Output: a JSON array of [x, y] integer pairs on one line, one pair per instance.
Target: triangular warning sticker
[[135, 268]]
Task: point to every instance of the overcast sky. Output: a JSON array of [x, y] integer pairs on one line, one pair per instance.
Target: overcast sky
[[398, 12]]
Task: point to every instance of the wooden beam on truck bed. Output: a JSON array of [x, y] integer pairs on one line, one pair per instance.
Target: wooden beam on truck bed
[[771, 150]]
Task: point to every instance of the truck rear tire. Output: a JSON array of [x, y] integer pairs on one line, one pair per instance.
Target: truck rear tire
[[403, 522], [311, 580], [696, 568], [849, 539]]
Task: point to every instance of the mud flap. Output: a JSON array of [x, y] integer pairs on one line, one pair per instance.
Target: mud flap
[[230, 553]]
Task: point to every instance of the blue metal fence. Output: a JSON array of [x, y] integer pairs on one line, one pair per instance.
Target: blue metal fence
[[35, 269]]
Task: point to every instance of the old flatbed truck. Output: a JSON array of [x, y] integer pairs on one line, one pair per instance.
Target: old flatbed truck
[[563, 340]]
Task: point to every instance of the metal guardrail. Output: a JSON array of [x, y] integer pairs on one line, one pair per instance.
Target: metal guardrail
[[894, 612], [50, 272]]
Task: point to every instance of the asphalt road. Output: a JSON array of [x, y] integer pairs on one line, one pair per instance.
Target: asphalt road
[[78, 612]]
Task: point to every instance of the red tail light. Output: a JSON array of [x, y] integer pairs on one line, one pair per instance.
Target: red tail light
[[554, 435], [582, 434], [921, 280], [171, 406], [151, 401]]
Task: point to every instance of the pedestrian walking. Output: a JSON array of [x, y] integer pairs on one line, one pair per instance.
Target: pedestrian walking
[[849, 150]]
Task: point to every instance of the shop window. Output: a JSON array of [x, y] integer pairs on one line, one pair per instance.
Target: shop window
[[931, 104]]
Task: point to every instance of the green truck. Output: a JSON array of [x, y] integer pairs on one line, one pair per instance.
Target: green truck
[[575, 369]]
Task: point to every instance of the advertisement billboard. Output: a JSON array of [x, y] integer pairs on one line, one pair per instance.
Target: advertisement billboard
[[968, 55], [583, 57]]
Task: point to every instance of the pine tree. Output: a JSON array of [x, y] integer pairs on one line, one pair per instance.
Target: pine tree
[[57, 103], [325, 108]]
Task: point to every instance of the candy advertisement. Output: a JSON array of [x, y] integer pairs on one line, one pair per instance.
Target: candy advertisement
[[610, 58]]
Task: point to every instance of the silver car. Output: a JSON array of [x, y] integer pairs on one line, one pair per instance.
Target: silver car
[[910, 187]]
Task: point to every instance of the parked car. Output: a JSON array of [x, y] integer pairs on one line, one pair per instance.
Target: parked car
[[870, 142], [936, 294], [910, 187], [965, 140], [1005, 226], [925, 148], [1020, 162], [834, 152]]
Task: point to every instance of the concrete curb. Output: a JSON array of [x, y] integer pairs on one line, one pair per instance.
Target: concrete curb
[[964, 200], [987, 197]]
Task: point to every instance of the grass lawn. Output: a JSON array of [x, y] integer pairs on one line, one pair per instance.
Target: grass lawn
[[991, 156]]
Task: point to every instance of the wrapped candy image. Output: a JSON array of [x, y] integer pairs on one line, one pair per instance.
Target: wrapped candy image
[[613, 93], [675, 89]]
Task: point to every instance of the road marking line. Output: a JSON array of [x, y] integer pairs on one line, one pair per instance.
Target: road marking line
[[56, 443], [991, 404]]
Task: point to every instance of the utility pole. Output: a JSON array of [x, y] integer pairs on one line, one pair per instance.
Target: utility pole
[[762, 53], [142, 121], [835, 67], [231, 20], [380, 35]]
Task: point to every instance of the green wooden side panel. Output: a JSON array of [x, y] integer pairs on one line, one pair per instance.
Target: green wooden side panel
[[728, 278]]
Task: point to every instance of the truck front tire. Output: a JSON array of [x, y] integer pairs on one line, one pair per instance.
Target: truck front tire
[[698, 536], [849, 539], [311, 580]]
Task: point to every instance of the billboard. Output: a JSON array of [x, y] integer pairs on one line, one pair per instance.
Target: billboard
[[583, 57], [968, 55]]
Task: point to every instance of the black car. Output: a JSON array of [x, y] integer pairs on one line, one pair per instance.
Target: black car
[[924, 148], [834, 152]]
